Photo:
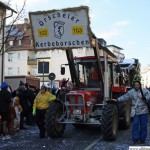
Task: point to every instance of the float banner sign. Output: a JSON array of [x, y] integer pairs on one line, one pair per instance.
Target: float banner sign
[[61, 29]]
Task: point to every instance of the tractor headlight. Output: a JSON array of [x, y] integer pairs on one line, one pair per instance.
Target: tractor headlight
[[88, 103]]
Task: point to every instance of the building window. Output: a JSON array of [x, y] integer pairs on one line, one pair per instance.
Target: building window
[[10, 71], [10, 43], [10, 56], [18, 55], [20, 42]]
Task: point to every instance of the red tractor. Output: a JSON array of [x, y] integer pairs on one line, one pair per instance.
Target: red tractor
[[97, 80]]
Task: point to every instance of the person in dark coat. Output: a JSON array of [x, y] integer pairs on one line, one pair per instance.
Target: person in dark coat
[[5, 100], [31, 96], [36, 91], [24, 104]]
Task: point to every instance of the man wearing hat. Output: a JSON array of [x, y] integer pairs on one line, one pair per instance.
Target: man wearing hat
[[5, 100], [139, 97]]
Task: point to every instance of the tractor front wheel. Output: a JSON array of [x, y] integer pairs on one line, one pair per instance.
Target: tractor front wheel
[[109, 122], [53, 127]]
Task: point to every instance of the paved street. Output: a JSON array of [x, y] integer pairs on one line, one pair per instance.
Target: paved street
[[76, 139]]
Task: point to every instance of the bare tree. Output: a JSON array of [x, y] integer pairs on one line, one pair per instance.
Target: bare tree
[[4, 16], [19, 16]]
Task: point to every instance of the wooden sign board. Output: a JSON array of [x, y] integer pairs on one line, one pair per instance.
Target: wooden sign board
[[61, 29]]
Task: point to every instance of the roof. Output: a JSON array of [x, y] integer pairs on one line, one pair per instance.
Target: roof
[[115, 47], [18, 30], [6, 7]]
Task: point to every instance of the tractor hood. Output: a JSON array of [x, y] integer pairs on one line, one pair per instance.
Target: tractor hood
[[91, 96]]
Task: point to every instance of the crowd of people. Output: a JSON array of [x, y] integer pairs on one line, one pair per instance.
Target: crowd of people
[[27, 104], [16, 108]]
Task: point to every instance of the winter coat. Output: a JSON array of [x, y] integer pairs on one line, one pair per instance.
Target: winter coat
[[23, 100], [42, 100], [5, 100], [132, 95], [31, 96]]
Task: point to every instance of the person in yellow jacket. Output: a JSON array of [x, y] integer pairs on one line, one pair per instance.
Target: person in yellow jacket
[[41, 104]]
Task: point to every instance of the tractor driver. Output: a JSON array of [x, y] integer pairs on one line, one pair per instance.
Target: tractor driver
[[94, 74]]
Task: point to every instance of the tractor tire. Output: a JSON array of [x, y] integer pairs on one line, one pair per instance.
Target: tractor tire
[[53, 127], [125, 111], [109, 122]]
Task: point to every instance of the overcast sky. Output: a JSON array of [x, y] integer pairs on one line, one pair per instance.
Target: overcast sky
[[125, 23]]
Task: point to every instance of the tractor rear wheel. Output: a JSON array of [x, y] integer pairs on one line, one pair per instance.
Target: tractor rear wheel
[[109, 122], [53, 127]]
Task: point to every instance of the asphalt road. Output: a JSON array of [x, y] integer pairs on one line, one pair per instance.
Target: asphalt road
[[73, 139]]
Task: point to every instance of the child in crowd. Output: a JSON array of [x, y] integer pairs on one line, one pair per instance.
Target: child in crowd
[[18, 110], [11, 117]]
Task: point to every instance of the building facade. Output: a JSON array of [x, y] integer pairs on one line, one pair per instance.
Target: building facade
[[116, 51], [145, 74], [3, 17]]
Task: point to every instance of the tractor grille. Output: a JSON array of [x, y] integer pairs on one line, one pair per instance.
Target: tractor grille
[[75, 102], [80, 100], [71, 99], [75, 99]]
